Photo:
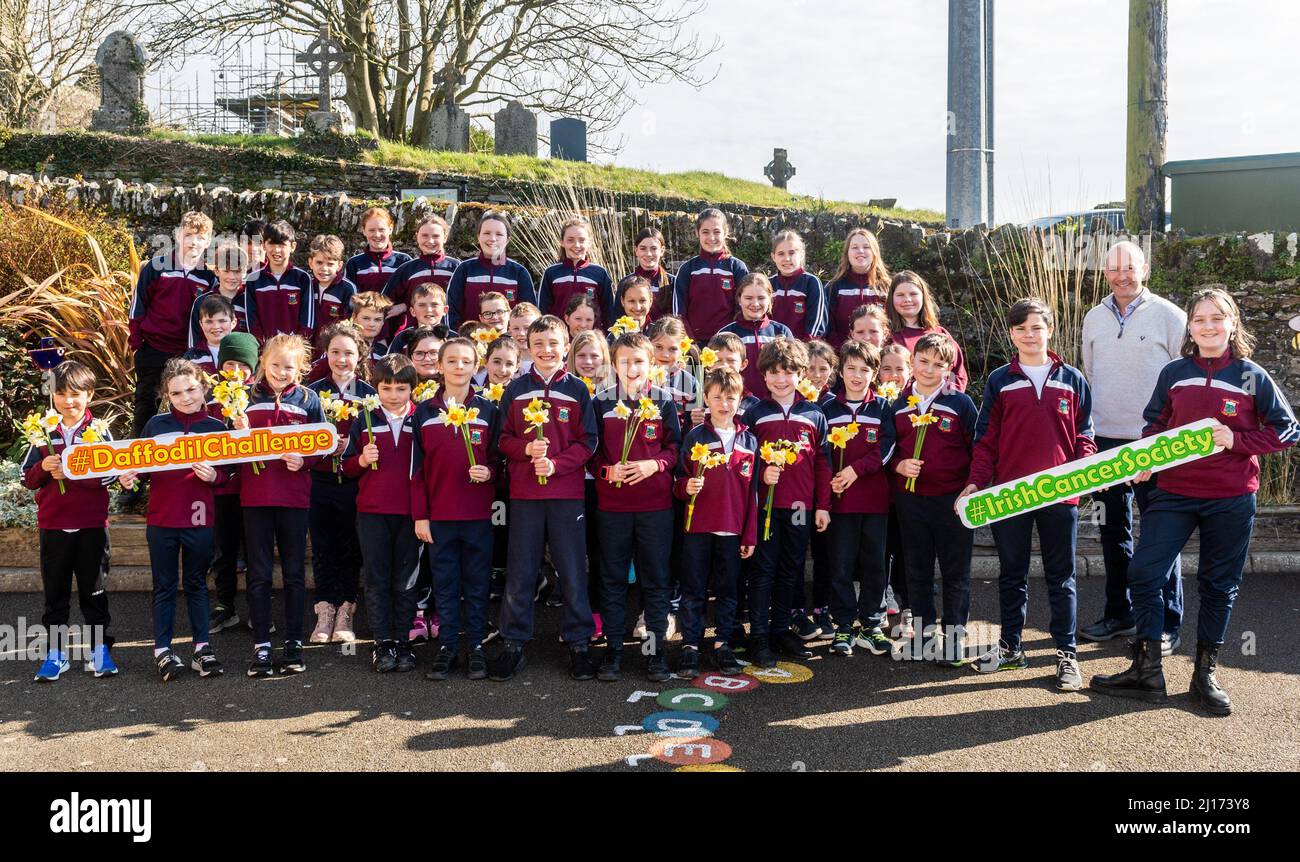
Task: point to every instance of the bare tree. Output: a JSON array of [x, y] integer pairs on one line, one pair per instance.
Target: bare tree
[[47, 46], [572, 57]]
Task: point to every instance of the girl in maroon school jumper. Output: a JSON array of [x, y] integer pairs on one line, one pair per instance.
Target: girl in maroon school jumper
[[276, 495], [636, 301], [576, 275], [862, 278], [704, 292], [649, 252], [433, 265], [913, 313], [798, 298], [490, 272], [754, 327], [179, 522]]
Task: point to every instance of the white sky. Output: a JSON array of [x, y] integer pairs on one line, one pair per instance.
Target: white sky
[[856, 90]]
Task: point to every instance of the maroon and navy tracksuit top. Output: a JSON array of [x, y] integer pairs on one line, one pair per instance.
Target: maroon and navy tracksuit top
[[842, 299], [440, 488], [1239, 394], [161, 306], [424, 269], [659, 280], [331, 467], [241, 317], [1020, 432], [806, 482], [569, 278], [230, 487], [570, 429], [656, 440], [909, 335], [275, 304], [478, 275], [204, 357], [386, 489], [800, 303], [869, 493], [946, 449], [274, 484], [330, 304], [728, 502], [704, 292], [177, 498], [371, 270], [84, 506], [754, 334]]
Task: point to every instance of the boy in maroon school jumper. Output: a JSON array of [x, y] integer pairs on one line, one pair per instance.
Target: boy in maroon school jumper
[[278, 299]]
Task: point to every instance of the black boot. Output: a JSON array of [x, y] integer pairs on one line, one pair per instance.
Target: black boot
[[1144, 679], [1205, 688]]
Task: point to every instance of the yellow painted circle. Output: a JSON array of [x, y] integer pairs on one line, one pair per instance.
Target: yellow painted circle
[[784, 672], [708, 767]]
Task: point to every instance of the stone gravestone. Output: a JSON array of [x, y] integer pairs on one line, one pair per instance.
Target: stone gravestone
[[449, 125], [516, 131], [121, 61], [324, 56], [569, 139]]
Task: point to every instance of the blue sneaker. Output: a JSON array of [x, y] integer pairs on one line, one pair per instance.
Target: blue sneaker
[[56, 663], [102, 663]]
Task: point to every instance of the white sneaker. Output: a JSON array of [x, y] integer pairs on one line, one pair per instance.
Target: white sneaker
[[639, 632], [672, 627]]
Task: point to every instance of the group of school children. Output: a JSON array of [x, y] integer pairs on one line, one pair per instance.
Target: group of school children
[[699, 436]]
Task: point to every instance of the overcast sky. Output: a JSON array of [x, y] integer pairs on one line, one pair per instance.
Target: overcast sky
[[856, 90]]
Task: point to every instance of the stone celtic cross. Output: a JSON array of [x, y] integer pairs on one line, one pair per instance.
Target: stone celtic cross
[[324, 56]]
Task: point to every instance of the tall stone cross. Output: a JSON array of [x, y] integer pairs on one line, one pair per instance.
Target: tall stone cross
[[324, 56]]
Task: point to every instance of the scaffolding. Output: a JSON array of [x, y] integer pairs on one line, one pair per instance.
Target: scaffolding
[[250, 89]]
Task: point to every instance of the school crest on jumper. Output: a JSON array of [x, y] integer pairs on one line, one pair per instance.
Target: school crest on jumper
[[475, 436], [591, 291], [564, 414], [805, 438], [198, 290], [1229, 407], [334, 309], [510, 294], [945, 424], [1063, 406], [726, 282], [871, 435], [747, 468], [798, 306], [651, 430], [293, 298]]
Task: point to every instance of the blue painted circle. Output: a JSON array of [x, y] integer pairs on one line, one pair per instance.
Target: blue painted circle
[[675, 723]]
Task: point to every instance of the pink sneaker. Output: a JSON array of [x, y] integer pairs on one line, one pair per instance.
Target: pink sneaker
[[419, 629], [600, 628], [434, 625]]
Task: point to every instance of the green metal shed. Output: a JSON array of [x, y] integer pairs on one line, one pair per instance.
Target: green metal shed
[[1237, 194]]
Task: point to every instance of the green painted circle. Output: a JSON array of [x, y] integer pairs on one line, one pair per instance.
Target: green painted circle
[[692, 699]]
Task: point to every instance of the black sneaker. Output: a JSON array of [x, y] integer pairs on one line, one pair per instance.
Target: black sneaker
[[442, 665], [292, 660], [223, 618], [556, 598], [805, 628], [477, 667], [492, 633], [657, 667], [725, 660], [384, 657], [169, 665], [789, 644], [688, 663], [405, 658], [261, 664], [507, 663], [822, 617], [205, 662], [580, 666], [760, 652], [611, 666]]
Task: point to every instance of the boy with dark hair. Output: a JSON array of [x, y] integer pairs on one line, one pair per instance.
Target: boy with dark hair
[[1035, 415], [216, 316], [800, 486], [73, 518], [331, 291], [230, 263], [279, 298]]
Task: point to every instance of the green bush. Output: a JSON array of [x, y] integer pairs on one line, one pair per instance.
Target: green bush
[[17, 504]]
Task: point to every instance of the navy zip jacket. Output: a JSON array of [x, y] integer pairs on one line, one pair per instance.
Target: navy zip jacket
[[704, 293], [842, 299], [329, 305], [806, 482], [177, 498], [424, 269], [1020, 432], [728, 502], [570, 429], [477, 276], [371, 270], [331, 468], [656, 441], [754, 334], [1239, 394], [564, 280]]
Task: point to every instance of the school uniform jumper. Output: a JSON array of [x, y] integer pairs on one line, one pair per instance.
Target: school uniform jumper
[[754, 334], [799, 302], [704, 292], [425, 269], [569, 278], [277, 304], [478, 275], [842, 298], [196, 338], [1019, 432]]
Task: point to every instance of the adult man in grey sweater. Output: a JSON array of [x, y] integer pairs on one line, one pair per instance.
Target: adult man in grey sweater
[[1127, 339]]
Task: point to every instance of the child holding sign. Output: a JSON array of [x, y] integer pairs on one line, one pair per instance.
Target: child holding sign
[[1035, 415], [1216, 495], [180, 519]]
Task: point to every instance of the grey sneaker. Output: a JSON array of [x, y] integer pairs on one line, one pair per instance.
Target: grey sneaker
[[1068, 677], [1103, 630], [1001, 658], [1169, 642]]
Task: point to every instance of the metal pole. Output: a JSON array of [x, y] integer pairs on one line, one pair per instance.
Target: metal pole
[[966, 141], [988, 103]]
